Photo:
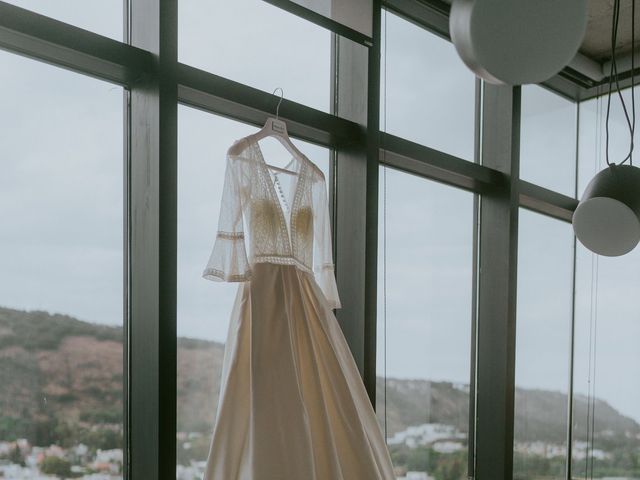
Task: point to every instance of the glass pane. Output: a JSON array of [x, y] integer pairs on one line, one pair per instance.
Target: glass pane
[[592, 136], [356, 14], [204, 307], [61, 274], [545, 278], [255, 43], [429, 97], [105, 17], [424, 325], [606, 423], [548, 140]]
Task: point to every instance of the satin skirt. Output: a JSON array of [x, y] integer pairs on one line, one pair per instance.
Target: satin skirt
[[292, 404]]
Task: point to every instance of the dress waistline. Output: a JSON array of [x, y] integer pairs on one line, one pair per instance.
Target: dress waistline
[[281, 260]]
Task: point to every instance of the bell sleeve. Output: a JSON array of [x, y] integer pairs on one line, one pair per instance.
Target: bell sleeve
[[323, 267], [228, 261]]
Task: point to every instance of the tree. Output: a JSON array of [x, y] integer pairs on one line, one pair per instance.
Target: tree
[[56, 466], [451, 467], [15, 456]]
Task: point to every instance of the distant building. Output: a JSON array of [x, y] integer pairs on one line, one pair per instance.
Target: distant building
[[191, 472], [416, 476], [428, 434], [448, 446], [16, 472], [551, 450], [80, 450], [580, 449], [110, 456]]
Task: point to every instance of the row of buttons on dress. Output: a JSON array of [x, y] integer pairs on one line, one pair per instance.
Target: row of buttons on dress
[[280, 192]]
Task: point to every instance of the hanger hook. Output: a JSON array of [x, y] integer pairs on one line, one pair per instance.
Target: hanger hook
[[280, 101]]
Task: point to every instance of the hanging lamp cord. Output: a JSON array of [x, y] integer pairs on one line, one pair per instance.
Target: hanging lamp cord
[[384, 221], [595, 361], [614, 79]]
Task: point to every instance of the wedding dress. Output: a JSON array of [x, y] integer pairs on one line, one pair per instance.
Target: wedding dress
[[292, 404]]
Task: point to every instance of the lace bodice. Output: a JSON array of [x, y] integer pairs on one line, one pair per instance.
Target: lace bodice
[[289, 226]]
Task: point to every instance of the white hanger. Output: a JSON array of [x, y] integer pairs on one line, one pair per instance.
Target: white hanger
[[273, 127]]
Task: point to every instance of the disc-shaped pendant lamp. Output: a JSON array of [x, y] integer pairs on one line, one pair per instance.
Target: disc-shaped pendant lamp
[[607, 220], [514, 42]]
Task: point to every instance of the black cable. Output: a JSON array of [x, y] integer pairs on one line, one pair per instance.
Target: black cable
[[614, 78], [633, 77], [630, 124], [614, 31]]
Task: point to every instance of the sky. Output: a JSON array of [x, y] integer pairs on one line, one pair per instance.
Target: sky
[[61, 197]]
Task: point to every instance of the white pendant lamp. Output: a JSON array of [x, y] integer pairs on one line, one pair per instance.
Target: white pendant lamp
[[607, 220], [514, 42]]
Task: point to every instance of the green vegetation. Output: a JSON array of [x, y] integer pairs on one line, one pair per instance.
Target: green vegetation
[[67, 434], [50, 431], [43, 331], [536, 467], [65, 393], [15, 456], [12, 428], [107, 415], [624, 463], [56, 466], [453, 466], [441, 466]]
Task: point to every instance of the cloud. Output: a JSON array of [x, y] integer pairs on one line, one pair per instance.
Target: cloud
[[99, 16], [61, 191]]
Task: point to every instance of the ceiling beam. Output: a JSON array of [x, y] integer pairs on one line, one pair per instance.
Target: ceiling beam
[[599, 72], [624, 64], [587, 67]]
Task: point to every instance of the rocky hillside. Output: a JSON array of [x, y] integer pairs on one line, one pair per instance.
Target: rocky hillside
[[61, 375], [56, 371]]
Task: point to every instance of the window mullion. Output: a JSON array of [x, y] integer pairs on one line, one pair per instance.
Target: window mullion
[[356, 197], [153, 247], [496, 321]]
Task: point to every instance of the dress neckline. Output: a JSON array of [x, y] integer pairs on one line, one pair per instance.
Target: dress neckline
[[289, 227]]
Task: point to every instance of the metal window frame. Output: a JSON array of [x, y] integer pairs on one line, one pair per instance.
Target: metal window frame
[[155, 82]]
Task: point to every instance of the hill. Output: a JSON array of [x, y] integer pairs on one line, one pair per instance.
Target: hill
[[62, 381]]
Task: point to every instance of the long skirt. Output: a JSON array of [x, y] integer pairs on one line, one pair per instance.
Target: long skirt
[[292, 404]]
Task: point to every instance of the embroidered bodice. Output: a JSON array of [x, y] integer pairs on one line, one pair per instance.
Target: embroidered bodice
[[283, 218]]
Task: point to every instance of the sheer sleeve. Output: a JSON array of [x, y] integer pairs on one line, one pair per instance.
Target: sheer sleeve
[[228, 260], [323, 256]]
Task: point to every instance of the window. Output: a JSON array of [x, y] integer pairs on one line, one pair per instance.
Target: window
[[592, 136], [606, 421], [257, 44], [543, 339], [429, 96], [424, 324], [61, 273], [548, 140], [355, 14], [105, 17], [64, 260], [204, 308]]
